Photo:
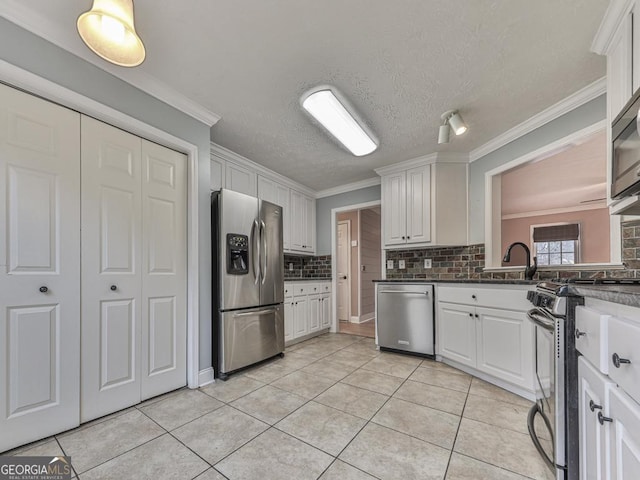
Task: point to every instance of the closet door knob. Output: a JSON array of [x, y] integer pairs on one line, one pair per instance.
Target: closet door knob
[[114, 288], [43, 289]]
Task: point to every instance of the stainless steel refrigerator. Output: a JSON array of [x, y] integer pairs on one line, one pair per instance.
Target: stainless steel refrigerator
[[248, 281]]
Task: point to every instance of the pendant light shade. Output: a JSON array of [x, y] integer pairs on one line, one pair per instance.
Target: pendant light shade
[[108, 30]]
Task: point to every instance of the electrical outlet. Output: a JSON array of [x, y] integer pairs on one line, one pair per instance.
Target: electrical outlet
[[427, 263], [291, 267], [401, 265], [389, 264]]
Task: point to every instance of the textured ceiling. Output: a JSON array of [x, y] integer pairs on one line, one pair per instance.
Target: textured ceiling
[[401, 63], [579, 172]]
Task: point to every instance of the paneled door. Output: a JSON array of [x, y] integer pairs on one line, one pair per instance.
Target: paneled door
[[111, 269], [164, 270], [134, 276], [39, 268]]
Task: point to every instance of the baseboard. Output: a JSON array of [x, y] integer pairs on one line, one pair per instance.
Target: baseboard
[[362, 318], [205, 377]]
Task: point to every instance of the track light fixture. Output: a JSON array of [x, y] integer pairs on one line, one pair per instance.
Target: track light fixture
[[451, 118]]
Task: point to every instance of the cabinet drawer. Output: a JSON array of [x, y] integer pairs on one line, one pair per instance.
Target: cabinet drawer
[[304, 288], [314, 288], [623, 341], [325, 287], [591, 336], [494, 297]]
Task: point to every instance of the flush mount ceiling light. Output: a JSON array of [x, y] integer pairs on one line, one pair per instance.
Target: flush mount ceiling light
[[339, 118], [108, 31], [451, 119]]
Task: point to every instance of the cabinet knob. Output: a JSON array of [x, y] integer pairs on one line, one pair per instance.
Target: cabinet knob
[[477, 315], [593, 407], [403, 237], [579, 333], [113, 288], [471, 315], [408, 237], [617, 361], [602, 418], [473, 296], [43, 289]]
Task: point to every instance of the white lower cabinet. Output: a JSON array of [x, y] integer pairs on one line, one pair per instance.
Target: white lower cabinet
[[307, 309], [495, 341], [609, 408]]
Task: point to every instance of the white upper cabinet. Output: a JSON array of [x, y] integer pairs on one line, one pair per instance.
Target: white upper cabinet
[[274, 192], [217, 177], [424, 202], [240, 179], [620, 68], [232, 171]]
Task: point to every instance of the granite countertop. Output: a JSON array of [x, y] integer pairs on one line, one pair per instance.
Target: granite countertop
[[488, 281], [623, 294], [299, 279]]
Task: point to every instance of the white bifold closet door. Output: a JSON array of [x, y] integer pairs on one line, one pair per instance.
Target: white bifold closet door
[[39, 268], [134, 253]]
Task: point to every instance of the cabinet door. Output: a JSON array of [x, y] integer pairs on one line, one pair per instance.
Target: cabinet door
[[314, 313], [310, 224], [298, 221], [217, 174], [625, 435], [267, 189], [394, 208], [505, 345], [164, 270], [240, 179], [326, 312], [300, 326], [419, 205], [594, 461], [457, 333], [619, 68], [289, 319], [39, 247]]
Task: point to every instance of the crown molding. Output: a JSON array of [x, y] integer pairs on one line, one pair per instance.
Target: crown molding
[[553, 211], [616, 11], [349, 187], [436, 157], [35, 23], [571, 102], [233, 157]]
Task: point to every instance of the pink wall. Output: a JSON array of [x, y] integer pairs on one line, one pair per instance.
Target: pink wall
[[594, 233]]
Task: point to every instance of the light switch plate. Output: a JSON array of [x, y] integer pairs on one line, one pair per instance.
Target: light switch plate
[[427, 263], [389, 264], [291, 267], [354, 243], [401, 264]]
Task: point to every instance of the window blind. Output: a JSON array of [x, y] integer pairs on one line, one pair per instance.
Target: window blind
[[556, 233]]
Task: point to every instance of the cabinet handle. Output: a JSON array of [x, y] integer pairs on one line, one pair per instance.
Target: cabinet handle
[[477, 315], [471, 315], [43, 289], [579, 333], [408, 237], [602, 418], [114, 288], [617, 361], [473, 296], [403, 237], [593, 407]]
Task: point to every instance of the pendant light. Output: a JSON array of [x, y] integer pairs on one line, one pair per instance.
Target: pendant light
[[108, 30]]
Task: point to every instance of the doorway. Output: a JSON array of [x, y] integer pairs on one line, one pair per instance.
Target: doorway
[[356, 263]]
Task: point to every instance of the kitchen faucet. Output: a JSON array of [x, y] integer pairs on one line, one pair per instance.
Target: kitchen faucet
[[529, 270]]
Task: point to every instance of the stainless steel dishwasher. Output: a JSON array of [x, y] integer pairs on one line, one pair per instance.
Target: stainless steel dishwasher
[[404, 317]]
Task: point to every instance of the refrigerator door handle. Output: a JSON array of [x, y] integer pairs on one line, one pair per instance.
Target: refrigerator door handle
[[263, 237], [255, 251], [256, 312]]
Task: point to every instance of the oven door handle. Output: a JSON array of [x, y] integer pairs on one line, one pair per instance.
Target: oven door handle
[[535, 410], [542, 319]]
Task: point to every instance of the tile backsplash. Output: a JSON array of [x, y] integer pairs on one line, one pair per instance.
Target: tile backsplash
[[307, 267], [449, 263]]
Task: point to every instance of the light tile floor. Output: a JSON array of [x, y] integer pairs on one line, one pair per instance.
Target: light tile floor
[[333, 408]]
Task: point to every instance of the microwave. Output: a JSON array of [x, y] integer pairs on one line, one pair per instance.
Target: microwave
[[625, 158]]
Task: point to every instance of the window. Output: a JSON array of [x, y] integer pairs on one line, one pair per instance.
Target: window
[[557, 244]]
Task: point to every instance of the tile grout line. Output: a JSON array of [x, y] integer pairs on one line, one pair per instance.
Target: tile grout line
[[455, 439], [496, 466]]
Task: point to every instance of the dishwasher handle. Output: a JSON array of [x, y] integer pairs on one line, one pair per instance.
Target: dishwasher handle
[[404, 293]]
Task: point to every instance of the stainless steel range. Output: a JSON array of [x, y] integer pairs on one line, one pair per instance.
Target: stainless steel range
[[555, 413]]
